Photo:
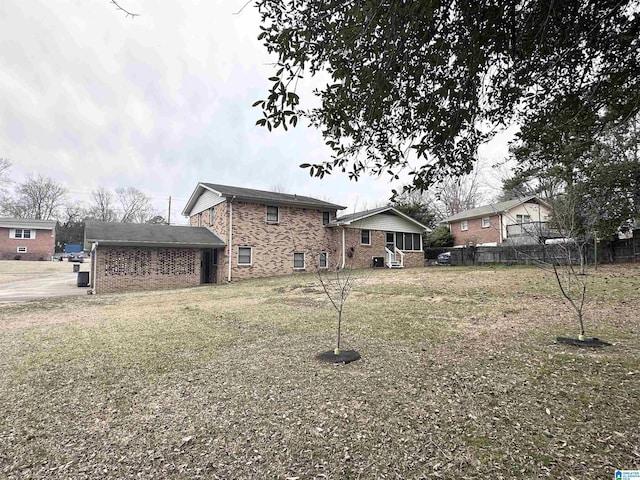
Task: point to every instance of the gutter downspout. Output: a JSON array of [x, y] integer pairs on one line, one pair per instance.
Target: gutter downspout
[[230, 247], [344, 246], [94, 265]]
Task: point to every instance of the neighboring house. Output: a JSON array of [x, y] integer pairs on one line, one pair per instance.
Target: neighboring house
[[516, 221], [24, 239], [131, 256], [238, 233]]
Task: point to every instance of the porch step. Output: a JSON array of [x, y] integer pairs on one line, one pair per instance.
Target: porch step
[[395, 265]]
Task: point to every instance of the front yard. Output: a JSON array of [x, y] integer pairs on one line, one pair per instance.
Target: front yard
[[460, 378]]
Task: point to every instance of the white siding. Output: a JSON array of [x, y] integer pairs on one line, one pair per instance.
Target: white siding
[[207, 200], [538, 213], [387, 223]]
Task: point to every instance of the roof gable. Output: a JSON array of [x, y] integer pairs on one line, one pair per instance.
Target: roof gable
[[388, 209]]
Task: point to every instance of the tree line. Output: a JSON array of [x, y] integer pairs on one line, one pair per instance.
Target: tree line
[[42, 198]]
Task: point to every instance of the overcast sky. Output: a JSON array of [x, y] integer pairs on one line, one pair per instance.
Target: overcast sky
[[159, 102]]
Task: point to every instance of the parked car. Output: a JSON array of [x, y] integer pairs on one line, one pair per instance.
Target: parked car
[[76, 257], [444, 258]]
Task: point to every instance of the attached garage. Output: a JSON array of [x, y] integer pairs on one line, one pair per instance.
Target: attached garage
[[130, 257]]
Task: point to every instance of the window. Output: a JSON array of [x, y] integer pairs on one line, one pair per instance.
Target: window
[[365, 237], [464, 226], [408, 241], [326, 218], [298, 261], [23, 233], [244, 256], [272, 214], [399, 241], [324, 260], [22, 249], [486, 222], [523, 218]]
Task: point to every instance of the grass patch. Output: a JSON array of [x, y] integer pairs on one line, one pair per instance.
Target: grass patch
[[459, 377]]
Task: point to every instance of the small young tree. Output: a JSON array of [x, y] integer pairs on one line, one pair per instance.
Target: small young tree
[[337, 282]]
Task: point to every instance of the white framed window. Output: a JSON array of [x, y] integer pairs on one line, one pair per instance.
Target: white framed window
[[323, 260], [200, 219], [245, 256], [22, 233], [523, 218], [273, 214], [326, 218], [298, 261], [365, 237], [464, 226], [22, 250], [486, 222]]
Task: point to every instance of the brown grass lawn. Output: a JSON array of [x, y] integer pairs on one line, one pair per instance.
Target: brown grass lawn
[[460, 377]]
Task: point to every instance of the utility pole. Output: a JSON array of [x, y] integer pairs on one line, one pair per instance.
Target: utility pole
[[169, 214]]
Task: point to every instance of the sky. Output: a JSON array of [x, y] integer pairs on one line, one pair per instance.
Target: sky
[[159, 102]]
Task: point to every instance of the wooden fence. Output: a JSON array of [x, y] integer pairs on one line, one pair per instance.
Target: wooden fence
[[607, 252]]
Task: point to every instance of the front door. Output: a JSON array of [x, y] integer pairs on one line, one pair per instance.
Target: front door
[[391, 246], [391, 241]]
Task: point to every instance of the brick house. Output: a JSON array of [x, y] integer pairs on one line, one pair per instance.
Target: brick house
[[384, 234], [237, 233], [520, 220], [129, 256], [25, 239]]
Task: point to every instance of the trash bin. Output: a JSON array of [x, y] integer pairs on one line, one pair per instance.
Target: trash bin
[[83, 279], [76, 268]]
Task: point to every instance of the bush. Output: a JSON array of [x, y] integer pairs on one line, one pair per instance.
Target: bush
[[439, 237]]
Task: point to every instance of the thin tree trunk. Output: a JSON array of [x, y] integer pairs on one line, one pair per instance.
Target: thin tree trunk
[[337, 350]]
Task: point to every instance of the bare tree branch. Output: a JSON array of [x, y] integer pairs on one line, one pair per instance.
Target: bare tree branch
[[128, 14]]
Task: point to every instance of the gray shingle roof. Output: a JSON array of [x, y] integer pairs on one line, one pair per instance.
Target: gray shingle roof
[[490, 209], [27, 223], [150, 235], [270, 197]]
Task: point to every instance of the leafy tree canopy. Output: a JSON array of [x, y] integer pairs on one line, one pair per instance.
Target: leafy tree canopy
[[598, 178], [431, 80]]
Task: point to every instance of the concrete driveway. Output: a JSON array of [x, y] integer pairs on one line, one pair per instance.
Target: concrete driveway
[[45, 286]]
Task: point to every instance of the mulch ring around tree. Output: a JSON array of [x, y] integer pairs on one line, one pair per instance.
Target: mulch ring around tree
[[587, 342], [345, 356]]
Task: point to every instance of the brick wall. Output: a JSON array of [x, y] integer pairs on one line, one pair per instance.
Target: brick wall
[[273, 245], [40, 248], [475, 233], [127, 269], [298, 230]]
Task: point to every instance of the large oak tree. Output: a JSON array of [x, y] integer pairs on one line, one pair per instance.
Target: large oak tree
[[431, 80]]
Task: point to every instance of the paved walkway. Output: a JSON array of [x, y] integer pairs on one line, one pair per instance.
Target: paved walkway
[[50, 285]]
